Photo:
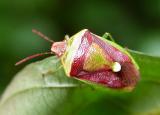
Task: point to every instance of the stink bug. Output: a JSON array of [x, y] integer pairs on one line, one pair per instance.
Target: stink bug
[[94, 59]]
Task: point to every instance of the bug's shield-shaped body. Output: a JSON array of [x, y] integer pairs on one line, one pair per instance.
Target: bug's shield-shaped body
[[91, 58]]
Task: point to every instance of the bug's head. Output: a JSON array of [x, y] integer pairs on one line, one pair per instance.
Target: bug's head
[[59, 48]]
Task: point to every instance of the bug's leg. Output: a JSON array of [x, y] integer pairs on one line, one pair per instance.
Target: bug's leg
[[47, 75], [66, 37], [108, 36], [126, 48], [50, 72]]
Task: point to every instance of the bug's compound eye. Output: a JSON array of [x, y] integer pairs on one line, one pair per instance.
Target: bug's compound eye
[[116, 67]]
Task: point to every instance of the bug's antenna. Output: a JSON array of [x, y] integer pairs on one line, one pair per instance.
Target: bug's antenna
[[31, 57], [42, 35]]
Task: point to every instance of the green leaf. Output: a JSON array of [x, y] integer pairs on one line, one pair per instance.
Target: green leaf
[[149, 65], [42, 88]]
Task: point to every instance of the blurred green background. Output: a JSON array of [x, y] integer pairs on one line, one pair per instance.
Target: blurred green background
[[133, 24]]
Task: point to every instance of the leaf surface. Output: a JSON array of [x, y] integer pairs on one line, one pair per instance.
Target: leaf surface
[[42, 88]]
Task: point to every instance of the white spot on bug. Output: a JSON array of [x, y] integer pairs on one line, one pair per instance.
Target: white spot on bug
[[116, 67]]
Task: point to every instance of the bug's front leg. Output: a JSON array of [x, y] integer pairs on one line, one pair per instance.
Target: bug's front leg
[[66, 37], [51, 71], [108, 36]]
